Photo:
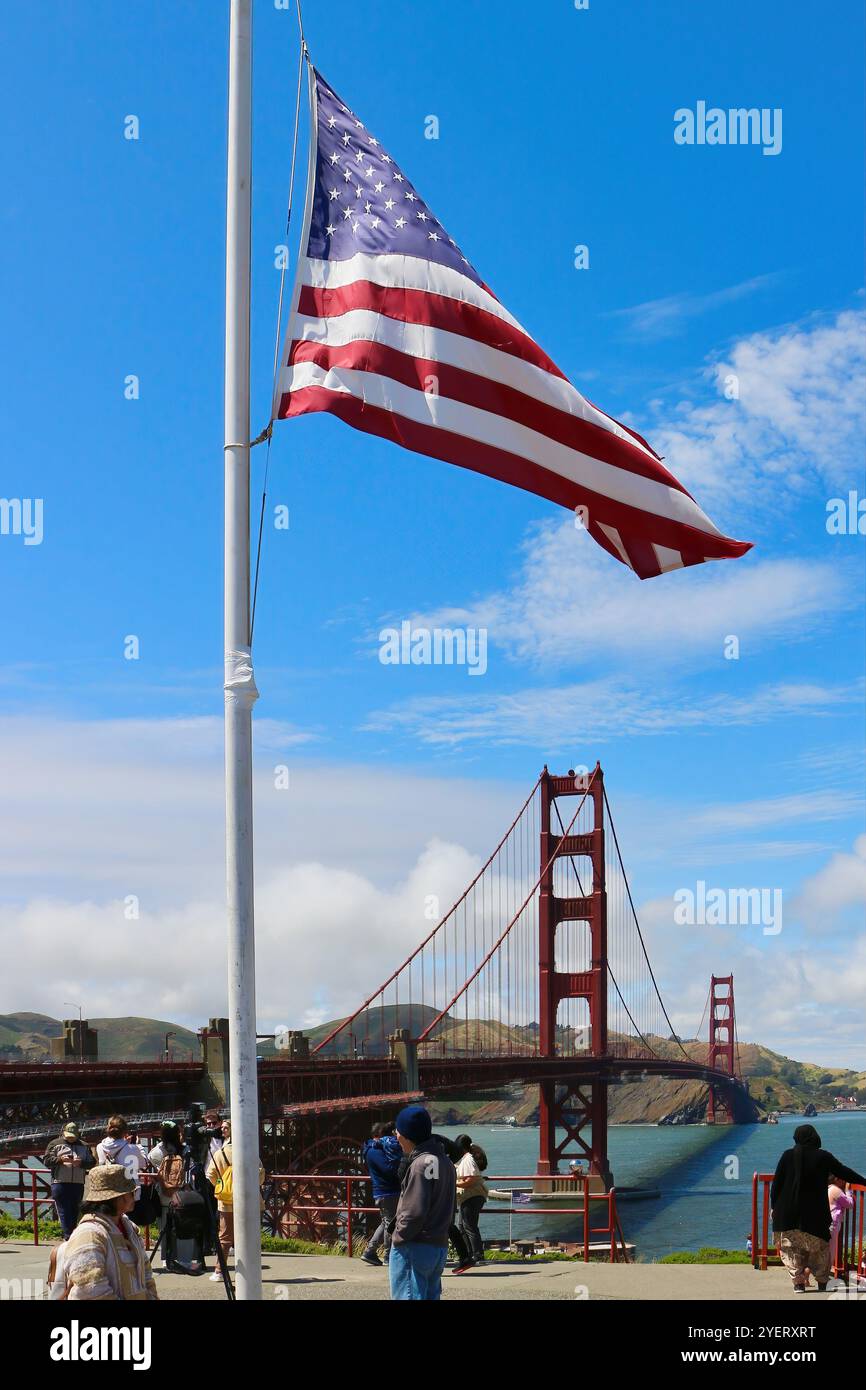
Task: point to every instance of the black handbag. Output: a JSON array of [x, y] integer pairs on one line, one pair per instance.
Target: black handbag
[[146, 1211]]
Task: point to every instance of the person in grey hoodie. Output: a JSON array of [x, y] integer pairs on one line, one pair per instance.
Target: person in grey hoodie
[[425, 1209], [116, 1147]]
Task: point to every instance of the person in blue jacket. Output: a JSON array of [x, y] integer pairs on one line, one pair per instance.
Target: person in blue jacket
[[383, 1154]]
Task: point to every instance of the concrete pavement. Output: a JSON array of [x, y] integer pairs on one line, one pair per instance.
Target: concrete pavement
[[328, 1277]]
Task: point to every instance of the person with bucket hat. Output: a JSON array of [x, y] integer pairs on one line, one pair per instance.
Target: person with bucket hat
[[425, 1209], [69, 1160], [104, 1258]]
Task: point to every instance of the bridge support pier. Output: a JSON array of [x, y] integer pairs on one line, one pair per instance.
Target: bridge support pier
[[571, 1110]]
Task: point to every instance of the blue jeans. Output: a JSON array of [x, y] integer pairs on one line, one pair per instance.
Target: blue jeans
[[68, 1197], [415, 1271]]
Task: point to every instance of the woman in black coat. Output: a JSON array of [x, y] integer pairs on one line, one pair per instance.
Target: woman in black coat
[[801, 1207]]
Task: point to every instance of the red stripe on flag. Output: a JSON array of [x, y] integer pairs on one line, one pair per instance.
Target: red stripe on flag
[[432, 310], [519, 472], [455, 383]]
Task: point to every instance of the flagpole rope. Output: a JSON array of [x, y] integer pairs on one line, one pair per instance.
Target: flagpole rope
[[267, 432]]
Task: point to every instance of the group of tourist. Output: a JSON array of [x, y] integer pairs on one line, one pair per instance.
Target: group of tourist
[[101, 1201], [430, 1192]]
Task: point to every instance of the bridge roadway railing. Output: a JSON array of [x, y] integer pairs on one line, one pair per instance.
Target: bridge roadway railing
[[850, 1252], [323, 1207], [25, 1140]]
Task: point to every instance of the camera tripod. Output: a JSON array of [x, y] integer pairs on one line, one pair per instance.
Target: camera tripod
[[212, 1231]]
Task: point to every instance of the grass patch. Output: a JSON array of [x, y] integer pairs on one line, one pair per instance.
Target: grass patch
[[277, 1245], [511, 1257], [13, 1229], [707, 1255]]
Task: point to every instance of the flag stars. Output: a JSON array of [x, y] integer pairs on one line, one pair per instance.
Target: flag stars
[[401, 222], [370, 171], [374, 222], [347, 175], [368, 207], [411, 197], [346, 138], [359, 156], [335, 157], [389, 203], [332, 121], [334, 193], [379, 187], [347, 212], [422, 216], [330, 229], [399, 178]]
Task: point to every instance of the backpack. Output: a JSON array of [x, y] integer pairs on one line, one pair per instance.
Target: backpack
[[223, 1187], [169, 1174], [189, 1213]]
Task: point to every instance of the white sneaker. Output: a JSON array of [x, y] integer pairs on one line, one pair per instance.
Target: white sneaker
[[216, 1277]]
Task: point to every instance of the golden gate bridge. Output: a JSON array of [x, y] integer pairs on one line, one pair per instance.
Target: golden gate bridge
[[539, 974]]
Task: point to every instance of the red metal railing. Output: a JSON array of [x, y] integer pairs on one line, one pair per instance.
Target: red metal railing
[[34, 1178], [319, 1213], [851, 1243]]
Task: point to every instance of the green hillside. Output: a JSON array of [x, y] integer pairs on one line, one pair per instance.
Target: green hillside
[[27, 1037]]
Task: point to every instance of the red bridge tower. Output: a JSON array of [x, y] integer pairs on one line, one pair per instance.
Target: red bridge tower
[[721, 1054], [571, 1107]]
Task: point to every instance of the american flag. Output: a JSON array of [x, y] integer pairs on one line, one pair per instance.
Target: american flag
[[395, 332]]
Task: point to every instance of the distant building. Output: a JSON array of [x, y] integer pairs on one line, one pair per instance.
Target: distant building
[[845, 1103]]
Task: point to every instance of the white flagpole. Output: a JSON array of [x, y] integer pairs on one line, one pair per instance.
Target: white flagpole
[[240, 688]]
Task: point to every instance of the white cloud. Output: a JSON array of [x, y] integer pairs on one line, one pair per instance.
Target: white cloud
[[840, 884], [799, 419], [136, 806], [325, 938], [799, 1002], [601, 710], [570, 603]]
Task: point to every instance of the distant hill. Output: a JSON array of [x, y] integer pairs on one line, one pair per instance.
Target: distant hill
[[26, 1037]]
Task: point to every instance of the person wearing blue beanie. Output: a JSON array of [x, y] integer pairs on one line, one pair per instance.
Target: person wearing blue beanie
[[419, 1242], [414, 1123]]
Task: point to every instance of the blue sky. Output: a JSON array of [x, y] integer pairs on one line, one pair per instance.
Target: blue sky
[[556, 129]]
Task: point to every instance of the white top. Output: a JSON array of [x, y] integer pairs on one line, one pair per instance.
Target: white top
[[470, 1183]]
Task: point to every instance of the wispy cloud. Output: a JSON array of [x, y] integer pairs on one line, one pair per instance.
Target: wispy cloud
[[602, 710], [662, 318], [569, 603]]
